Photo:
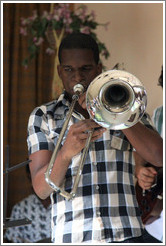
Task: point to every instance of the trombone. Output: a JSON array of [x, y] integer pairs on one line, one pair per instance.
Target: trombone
[[116, 100]]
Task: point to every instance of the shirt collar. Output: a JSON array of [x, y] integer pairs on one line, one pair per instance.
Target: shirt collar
[[63, 100]]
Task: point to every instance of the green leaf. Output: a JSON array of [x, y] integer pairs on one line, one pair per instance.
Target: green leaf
[[25, 62], [32, 48]]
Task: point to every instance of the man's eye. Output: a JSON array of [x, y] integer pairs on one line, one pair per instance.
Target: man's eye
[[68, 69], [86, 68]]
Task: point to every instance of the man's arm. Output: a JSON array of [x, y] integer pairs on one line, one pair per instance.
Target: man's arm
[[147, 142], [38, 167]]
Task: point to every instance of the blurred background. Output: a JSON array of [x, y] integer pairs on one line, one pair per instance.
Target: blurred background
[[134, 38]]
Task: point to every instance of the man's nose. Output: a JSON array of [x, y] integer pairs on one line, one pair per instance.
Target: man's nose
[[78, 76]]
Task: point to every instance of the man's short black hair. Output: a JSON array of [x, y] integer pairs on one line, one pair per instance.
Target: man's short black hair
[[79, 41]]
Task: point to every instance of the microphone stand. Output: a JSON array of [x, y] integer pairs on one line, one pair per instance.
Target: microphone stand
[[6, 222]]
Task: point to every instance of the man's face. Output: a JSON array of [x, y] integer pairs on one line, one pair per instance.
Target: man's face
[[77, 67]]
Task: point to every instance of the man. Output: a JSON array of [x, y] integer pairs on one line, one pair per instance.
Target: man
[[105, 207], [146, 178]]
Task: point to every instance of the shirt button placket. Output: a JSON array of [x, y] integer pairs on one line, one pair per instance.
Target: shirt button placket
[[95, 163], [98, 213], [97, 187]]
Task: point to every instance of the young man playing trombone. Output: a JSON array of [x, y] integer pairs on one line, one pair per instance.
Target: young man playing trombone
[[104, 208]]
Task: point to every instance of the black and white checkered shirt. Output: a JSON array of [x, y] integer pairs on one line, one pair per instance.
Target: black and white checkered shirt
[[105, 208]]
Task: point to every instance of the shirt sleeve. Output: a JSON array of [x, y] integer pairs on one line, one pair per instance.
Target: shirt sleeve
[[39, 132], [158, 119], [147, 121]]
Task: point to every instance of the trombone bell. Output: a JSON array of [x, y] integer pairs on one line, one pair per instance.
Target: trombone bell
[[116, 99]]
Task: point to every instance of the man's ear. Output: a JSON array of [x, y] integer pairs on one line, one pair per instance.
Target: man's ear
[[59, 70]]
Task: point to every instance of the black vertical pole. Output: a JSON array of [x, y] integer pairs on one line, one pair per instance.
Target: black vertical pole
[[6, 183]]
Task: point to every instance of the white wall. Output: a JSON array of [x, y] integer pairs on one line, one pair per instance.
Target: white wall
[[135, 38]]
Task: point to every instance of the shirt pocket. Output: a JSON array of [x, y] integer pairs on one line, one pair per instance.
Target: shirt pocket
[[55, 133], [55, 130], [116, 140], [120, 144]]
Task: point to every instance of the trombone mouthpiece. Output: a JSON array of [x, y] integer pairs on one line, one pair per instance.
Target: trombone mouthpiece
[[78, 88]]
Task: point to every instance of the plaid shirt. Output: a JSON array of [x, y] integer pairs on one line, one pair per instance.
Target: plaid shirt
[[105, 208]]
